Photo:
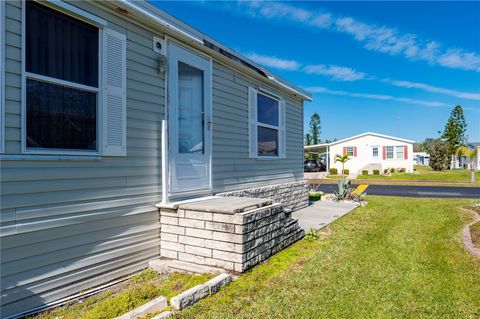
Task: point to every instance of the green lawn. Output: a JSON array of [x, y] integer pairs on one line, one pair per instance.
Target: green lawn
[[394, 258], [425, 173], [126, 296]]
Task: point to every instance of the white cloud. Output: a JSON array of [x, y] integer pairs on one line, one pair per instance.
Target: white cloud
[[373, 37], [338, 73], [434, 89], [274, 62], [319, 89]]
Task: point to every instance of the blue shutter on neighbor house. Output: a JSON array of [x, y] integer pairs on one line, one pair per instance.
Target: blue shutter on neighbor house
[[114, 93], [252, 121]]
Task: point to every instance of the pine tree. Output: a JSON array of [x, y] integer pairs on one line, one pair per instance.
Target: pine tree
[[308, 139], [315, 128], [455, 130]]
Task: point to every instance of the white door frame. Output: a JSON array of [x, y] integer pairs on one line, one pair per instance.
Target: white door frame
[[176, 53]]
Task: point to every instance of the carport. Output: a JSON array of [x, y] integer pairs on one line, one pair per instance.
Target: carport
[[322, 150]]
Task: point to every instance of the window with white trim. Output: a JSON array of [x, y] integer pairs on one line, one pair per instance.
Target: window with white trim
[[349, 150], [399, 152], [62, 80], [74, 82], [375, 152], [390, 152], [267, 125]]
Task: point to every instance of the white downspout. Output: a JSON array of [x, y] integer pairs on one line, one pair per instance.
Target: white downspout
[[164, 162]]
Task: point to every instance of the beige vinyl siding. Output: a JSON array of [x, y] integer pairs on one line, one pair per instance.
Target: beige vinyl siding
[[71, 225], [68, 225]]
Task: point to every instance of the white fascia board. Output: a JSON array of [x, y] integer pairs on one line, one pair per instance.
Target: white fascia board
[[374, 134]]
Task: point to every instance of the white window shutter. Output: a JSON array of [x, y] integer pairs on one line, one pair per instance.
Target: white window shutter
[[282, 152], [252, 121], [115, 93]]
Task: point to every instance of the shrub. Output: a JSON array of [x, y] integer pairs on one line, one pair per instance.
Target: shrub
[[376, 172], [312, 235], [392, 170], [315, 196], [385, 171], [403, 170], [346, 171], [333, 171], [344, 189], [364, 172], [438, 150]]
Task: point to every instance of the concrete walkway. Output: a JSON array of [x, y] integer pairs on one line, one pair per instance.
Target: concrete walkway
[[320, 214]]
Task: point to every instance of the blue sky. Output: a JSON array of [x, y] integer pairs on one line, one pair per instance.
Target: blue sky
[[396, 68]]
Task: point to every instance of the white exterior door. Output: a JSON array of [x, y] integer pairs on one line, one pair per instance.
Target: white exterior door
[[189, 118]]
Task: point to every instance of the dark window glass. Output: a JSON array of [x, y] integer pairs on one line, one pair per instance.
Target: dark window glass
[[267, 141], [267, 110], [60, 117], [60, 46]]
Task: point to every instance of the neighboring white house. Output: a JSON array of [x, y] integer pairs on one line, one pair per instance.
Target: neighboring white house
[[368, 151], [421, 158]]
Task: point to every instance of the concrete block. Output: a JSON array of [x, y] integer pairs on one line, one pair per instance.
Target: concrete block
[[222, 227], [200, 233], [192, 223], [223, 255], [227, 265], [172, 246], [215, 284], [190, 297], [168, 253], [205, 252], [172, 229], [231, 219], [199, 242], [237, 267], [191, 214], [164, 315], [169, 220], [169, 237], [156, 305], [191, 258], [228, 237], [159, 265], [220, 245]]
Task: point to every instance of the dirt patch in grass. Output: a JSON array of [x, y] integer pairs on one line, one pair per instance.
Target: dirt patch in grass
[[126, 296], [475, 233]]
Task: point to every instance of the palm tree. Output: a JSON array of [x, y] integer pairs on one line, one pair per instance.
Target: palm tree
[[342, 159], [472, 155]]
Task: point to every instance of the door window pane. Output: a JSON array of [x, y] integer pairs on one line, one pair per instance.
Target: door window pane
[[60, 117], [267, 141], [191, 119], [60, 46], [267, 110]]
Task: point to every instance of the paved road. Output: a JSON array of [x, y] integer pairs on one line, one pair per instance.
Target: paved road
[[414, 191]]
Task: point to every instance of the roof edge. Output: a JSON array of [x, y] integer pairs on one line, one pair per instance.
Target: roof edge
[[188, 33], [374, 134]]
